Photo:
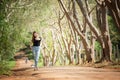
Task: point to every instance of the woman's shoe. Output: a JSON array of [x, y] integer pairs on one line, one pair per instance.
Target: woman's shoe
[[32, 65]]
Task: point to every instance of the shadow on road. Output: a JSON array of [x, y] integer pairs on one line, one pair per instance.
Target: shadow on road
[[21, 69]]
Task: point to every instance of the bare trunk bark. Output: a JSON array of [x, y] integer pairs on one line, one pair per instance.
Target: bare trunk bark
[[106, 35], [55, 53], [103, 25]]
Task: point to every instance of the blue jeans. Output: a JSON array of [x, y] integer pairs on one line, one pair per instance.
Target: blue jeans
[[36, 54]]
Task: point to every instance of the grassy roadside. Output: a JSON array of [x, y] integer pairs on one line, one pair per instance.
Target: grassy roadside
[[6, 67], [11, 64]]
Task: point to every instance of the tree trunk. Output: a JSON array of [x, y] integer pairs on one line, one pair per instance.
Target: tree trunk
[[103, 25], [55, 51]]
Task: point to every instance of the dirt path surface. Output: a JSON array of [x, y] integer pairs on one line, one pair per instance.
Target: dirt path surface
[[23, 71]]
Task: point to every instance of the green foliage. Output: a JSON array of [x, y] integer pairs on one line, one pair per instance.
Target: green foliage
[[9, 38], [97, 46], [114, 34], [40, 63], [6, 66]]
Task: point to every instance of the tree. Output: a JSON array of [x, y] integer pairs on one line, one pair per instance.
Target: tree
[[104, 36], [85, 43], [9, 35], [103, 26]]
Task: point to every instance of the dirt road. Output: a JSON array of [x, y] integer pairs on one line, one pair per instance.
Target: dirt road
[[23, 71]]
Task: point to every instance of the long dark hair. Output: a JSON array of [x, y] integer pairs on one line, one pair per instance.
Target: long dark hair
[[33, 37]]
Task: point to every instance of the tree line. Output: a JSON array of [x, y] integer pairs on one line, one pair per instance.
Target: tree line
[[73, 31], [77, 39]]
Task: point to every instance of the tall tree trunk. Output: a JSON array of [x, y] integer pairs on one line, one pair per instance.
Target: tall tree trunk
[[106, 35], [103, 25], [54, 55]]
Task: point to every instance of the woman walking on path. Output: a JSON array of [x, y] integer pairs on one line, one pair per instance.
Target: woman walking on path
[[36, 48]]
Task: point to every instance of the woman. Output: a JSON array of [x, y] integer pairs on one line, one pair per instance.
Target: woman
[[36, 48]]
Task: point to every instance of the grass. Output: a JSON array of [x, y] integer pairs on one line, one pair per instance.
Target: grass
[[6, 66], [40, 64], [11, 64]]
